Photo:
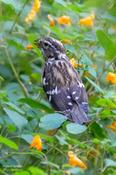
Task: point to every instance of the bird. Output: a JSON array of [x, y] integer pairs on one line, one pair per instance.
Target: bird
[[61, 82]]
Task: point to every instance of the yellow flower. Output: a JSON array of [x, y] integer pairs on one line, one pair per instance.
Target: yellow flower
[[66, 41], [87, 21], [75, 161], [112, 126], [87, 74], [64, 20], [73, 63], [35, 8], [29, 47], [36, 143], [111, 77], [52, 21]]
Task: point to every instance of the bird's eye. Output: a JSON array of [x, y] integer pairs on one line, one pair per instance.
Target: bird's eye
[[46, 45]]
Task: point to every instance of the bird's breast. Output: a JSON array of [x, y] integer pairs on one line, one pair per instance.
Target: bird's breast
[[59, 73]]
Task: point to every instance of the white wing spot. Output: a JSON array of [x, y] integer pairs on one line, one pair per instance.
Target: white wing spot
[[74, 92], [84, 103], [48, 92], [67, 110], [69, 97], [51, 59], [70, 104], [76, 98], [54, 91], [50, 98], [80, 84]]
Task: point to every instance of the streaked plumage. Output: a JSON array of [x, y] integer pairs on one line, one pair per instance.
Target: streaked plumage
[[61, 83]]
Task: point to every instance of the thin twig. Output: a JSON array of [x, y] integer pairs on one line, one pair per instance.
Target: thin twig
[[16, 19], [24, 89]]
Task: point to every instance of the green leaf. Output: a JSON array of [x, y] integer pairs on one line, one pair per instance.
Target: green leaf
[[107, 44], [50, 164], [105, 102], [106, 113], [8, 142], [61, 140], [110, 163], [27, 137], [75, 128], [76, 171], [17, 119], [95, 85], [92, 71], [1, 79], [97, 130], [35, 170], [16, 5], [36, 104], [52, 121], [14, 107], [61, 2], [22, 172]]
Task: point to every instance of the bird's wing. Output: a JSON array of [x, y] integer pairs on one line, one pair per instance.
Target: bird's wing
[[66, 92], [68, 100], [80, 104], [79, 95]]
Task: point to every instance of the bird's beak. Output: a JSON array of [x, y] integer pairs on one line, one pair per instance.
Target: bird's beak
[[38, 43]]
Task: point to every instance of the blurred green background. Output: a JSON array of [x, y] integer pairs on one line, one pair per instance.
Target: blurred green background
[[24, 109]]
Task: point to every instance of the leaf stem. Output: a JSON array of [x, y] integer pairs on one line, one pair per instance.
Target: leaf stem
[[24, 89], [16, 19]]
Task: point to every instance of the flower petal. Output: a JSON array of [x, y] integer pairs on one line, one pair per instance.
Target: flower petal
[[64, 20], [36, 143], [75, 161]]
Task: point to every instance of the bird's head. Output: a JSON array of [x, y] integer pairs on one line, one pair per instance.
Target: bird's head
[[50, 47]]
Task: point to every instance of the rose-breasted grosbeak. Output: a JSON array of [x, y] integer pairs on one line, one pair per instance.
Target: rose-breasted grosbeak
[[61, 83]]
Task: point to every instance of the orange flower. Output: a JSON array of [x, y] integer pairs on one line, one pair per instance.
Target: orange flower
[[35, 8], [64, 20], [52, 21], [112, 126], [29, 47], [75, 161], [88, 21], [111, 77], [73, 63], [36, 143]]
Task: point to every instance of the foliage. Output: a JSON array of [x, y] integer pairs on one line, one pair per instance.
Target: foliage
[[25, 111]]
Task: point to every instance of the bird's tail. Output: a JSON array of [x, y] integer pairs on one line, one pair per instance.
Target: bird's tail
[[78, 115]]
